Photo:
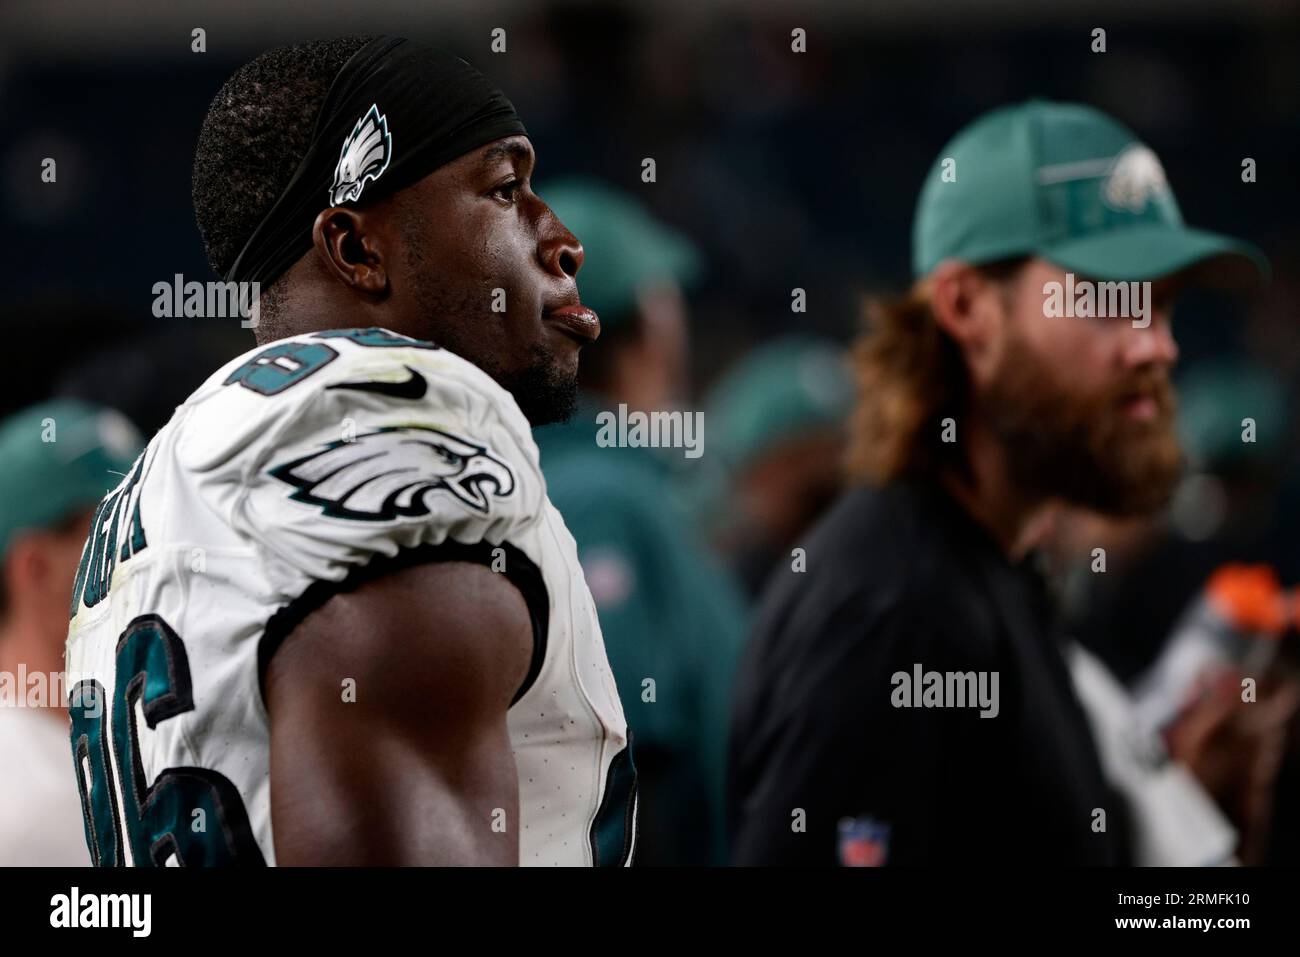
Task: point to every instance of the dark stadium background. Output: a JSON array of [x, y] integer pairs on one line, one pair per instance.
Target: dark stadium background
[[788, 170]]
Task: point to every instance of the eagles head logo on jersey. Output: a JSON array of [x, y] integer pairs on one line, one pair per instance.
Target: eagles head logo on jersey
[[364, 156], [390, 473]]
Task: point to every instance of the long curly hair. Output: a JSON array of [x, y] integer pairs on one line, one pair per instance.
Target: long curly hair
[[910, 376]]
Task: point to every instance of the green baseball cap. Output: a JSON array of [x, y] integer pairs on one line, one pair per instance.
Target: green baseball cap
[[625, 247], [59, 457], [1068, 183], [784, 388]]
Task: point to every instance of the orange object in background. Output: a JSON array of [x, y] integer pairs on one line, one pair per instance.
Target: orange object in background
[[1234, 625], [1251, 598]]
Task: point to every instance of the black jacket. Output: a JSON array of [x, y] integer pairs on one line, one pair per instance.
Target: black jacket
[[897, 578]]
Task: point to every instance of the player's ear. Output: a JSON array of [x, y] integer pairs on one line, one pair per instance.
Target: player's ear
[[349, 246], [960, 301]]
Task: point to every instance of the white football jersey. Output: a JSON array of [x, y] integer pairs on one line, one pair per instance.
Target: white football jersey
[[296, 471]]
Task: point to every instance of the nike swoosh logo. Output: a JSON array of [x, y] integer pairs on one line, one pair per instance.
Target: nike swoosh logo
[[413, 388]]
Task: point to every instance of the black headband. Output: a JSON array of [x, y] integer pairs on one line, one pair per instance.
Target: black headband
[[396, 112]]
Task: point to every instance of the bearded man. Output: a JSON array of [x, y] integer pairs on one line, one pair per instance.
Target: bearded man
[[904, 699]]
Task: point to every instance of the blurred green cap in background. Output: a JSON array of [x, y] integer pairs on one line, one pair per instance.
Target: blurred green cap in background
[[1068, 183], [57, 458], [625, 247], [783, 389]]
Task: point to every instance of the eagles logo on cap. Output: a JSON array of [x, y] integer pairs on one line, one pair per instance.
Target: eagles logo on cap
[[364, 156], [1135, 179]]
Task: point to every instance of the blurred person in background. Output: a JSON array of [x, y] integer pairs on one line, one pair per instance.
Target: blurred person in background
[[777, 424], [1222, 512], [668, 611], [1191, 601], [906, 700], [1196, 745], [60, 457]]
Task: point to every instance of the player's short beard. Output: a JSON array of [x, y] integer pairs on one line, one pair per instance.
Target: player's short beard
[[544, 390], [545, 393], [1083, 448]]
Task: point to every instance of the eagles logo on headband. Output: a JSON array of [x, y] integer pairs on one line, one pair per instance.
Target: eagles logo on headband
[[441, 105], [364, 156]]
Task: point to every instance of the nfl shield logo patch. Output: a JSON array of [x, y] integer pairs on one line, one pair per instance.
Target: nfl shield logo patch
[[864, 842]]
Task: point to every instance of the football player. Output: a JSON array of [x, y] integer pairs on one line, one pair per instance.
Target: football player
[[330, 616]]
